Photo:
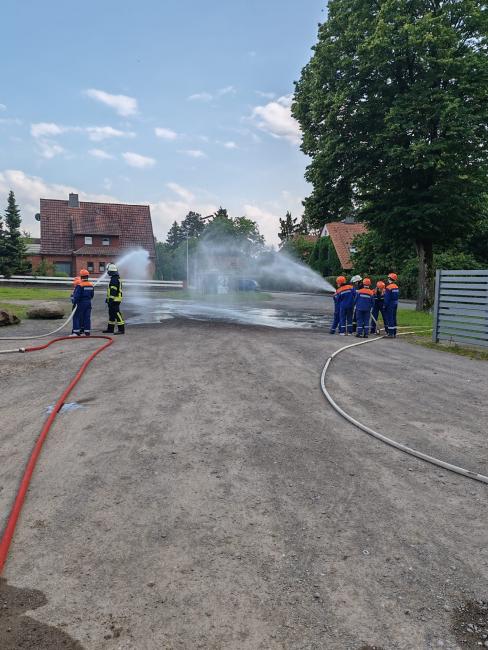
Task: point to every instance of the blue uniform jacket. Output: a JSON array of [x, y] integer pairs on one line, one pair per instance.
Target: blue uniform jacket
[[346, 296], [83, 293], [392, 293], [364, 300]]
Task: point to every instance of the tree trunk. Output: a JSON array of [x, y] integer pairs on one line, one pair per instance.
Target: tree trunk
[[425, 279]]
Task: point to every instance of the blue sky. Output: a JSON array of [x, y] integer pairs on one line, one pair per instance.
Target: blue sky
[[179, 104]]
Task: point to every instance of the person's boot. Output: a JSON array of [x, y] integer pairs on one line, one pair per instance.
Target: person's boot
[[109, 330], [120, 329]]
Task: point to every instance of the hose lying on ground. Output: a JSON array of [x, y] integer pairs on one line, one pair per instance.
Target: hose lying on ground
[[40, 336], [408, 450], [8, 533]]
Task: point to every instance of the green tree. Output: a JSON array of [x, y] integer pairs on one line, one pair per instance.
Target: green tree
[[175, 236], [393, 108], [288, 227], [14, 247], [300, 247], [3, 249], [192, 225]]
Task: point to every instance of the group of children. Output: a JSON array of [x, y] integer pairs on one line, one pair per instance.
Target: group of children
[[357, 306]]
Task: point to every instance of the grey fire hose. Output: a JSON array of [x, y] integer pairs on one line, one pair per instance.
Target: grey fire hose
[[408, 450]]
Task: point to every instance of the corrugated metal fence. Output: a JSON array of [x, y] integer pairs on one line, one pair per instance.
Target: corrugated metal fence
[[461, 307]]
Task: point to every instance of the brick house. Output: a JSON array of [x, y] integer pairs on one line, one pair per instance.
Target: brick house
[[80, 234]]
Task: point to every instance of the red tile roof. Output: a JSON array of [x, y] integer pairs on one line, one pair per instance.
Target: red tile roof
[[342, 235], [108, 251], [95, 223], [59, 223]]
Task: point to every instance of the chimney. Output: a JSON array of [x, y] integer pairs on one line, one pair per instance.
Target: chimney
[[349, 219], [73, 201]]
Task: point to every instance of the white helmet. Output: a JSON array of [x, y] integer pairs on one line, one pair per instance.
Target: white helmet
[[111, 269], [356, 278]]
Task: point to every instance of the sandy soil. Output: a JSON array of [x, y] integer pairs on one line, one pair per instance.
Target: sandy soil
[[206, 496]]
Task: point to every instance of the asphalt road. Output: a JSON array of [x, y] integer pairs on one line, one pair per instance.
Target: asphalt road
[[206, 496]]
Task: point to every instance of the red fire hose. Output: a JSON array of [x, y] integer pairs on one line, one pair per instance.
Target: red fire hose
[[29, 470]]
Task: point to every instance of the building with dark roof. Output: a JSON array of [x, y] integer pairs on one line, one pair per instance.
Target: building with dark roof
[[81, 234]]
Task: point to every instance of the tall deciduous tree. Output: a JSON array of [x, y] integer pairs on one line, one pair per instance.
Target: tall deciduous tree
[[394, 110]]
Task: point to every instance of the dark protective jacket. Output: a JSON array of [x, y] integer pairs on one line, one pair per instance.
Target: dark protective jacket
[[346, 296], [392, 293], [364, 299], [114, 289], [83, 293]]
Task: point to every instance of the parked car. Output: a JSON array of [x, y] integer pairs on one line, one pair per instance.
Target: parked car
[[247, 284]]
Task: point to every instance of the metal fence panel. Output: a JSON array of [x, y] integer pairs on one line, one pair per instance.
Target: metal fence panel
[[461, 307]]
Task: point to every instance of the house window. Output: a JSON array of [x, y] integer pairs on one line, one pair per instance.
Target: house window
[[353, 249], [106, 241], [88, 240], [89, 267], [101, 267]]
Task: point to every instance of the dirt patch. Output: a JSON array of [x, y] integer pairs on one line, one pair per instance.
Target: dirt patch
[[470, 624], [20, 632]]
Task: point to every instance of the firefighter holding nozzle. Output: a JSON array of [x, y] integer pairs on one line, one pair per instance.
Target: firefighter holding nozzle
[[113, 300]]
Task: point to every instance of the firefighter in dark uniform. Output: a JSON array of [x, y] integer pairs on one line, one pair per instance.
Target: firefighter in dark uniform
[[113, 300]]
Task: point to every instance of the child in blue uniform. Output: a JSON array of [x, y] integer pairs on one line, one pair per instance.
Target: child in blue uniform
[[392, 294], [379, 307], [346, 299], [364, 304], [82, 298], [341, 280]]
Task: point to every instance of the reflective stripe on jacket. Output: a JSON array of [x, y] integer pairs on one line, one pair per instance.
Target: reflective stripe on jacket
[[346, 296], [114, 289], [364, 300]]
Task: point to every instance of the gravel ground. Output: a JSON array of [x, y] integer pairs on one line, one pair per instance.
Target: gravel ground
[[206, 496]]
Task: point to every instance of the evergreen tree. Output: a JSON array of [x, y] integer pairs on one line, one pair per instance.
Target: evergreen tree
[[393, 109], [175, 236], [3, 251], [288, 227], [15, 261], [192, 225]]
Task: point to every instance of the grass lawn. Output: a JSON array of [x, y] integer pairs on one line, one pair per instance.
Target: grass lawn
[[19, 310], [32, 293]]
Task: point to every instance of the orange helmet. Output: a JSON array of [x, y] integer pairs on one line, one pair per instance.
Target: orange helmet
[[341, 280], [380, 284], [392, 276], [84, 273], [366, 282], [76, 281]]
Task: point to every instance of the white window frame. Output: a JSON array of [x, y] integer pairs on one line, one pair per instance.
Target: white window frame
[[88, 240]]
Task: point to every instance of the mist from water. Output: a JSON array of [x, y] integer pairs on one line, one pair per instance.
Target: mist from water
[[134, 265], [218, 267]]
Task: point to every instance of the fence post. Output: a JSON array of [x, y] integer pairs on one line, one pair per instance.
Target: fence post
[[435, 323]]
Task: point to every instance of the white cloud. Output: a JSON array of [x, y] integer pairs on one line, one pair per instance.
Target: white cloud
[[276, 119], [163, 213], [99, 133], [228, 90], [165, 134], [95, 133], [136, 160], [230, 145], [3, 107], [122, 104], [42, 129], [181, 191], [100, 153], [267, 221], [194, 153], [49, 149], [201, 97], [29, 189]]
